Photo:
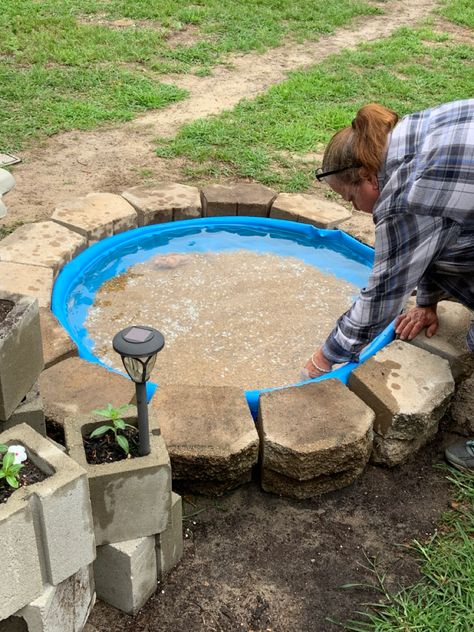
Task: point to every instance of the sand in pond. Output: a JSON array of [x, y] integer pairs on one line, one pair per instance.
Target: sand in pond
[[242, 318]]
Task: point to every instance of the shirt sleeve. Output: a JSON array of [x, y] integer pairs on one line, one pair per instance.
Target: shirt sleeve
[[405, 245]]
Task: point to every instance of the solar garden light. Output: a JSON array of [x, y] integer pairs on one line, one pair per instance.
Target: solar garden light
[[138, 346]]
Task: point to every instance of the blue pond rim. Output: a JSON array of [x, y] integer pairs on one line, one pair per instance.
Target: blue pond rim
[[336, 240]]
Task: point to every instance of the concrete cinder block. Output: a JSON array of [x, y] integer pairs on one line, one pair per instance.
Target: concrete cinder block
[[308, 209], [49, 245], [210, 436], [130, 498], [21, 351], [47, 529], [169, 544], [96, 215], [57, 344], [314, 438], [409, 389], [29, 411], [164, 202], [125, 573], [62, 608]]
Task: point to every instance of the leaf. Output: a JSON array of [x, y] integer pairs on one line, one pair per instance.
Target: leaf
[[3, 448], [8, 460], [119, 423], [11, 480], [103, 412], [100, 431], [123, 443]]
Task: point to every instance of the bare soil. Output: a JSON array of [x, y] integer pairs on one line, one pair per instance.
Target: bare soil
[[256, 562], [28, 475]]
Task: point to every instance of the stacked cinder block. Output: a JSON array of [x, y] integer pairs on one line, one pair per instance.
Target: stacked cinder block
[[21, 362], [47, 544], [134, 514]]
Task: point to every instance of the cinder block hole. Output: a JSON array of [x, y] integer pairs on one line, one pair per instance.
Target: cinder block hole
[[13, 624]]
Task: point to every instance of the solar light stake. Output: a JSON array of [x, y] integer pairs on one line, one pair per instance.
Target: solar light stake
[[138, 346]]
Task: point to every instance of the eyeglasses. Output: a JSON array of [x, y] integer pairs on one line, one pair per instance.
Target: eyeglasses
[[320, 174]]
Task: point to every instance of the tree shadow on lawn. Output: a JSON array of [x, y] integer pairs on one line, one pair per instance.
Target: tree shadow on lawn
[[257, 562]]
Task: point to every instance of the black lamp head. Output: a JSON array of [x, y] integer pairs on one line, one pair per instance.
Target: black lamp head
[[138, 346]]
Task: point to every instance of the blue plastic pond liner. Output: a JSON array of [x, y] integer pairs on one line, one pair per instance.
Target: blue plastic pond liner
[[329, 250]]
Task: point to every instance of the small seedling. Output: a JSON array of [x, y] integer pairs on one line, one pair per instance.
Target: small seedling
[[116, 424], [9, 470]]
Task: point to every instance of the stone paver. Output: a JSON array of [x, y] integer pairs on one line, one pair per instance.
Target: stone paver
[[309, 209], [57, 344], [45, 244], [409, 389], [314, 438], [450, 340], [219, 200], [31, 280], [96, 216], [75, 386], [164, 202], [210, 435], [254, 199]]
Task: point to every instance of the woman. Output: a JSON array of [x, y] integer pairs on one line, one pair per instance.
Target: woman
[[416, 177]]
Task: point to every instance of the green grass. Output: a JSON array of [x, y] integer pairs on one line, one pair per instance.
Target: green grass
[[459, 11], [266, 139], [65, 65], [443, 601]]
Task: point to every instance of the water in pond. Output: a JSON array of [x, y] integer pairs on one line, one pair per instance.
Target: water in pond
[[234, 317]]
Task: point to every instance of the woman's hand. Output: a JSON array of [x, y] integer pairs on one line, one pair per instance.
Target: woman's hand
[[409, 324], [317, 365]]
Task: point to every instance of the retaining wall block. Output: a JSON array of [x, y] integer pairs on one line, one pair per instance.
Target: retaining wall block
[[169, 544], [254, 199], [449, 342], [219, 200], [29, 411], [21, 351], [47, 530], [49, 245], [130, 498], [125, 573], [62, 608], [460, 418], [409, 389], [75, 386], [164, 202], [309, 209], [314, 438], [57, 343], [29, 280], [210, 435], [96, 215]]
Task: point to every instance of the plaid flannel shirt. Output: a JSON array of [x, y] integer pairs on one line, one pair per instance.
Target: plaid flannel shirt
[[424, 226]]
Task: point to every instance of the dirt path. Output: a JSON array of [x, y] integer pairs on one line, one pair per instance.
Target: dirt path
[[110, 159]]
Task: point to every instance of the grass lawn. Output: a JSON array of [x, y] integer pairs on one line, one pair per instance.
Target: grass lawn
[[73, 64], [443, 601], [268, 139]]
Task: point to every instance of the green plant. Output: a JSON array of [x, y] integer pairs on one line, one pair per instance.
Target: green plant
[[115, 425], [9, 470]]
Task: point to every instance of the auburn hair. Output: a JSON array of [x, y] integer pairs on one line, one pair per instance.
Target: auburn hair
[[361, 144]]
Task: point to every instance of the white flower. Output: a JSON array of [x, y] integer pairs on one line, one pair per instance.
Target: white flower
[[19, 452]]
